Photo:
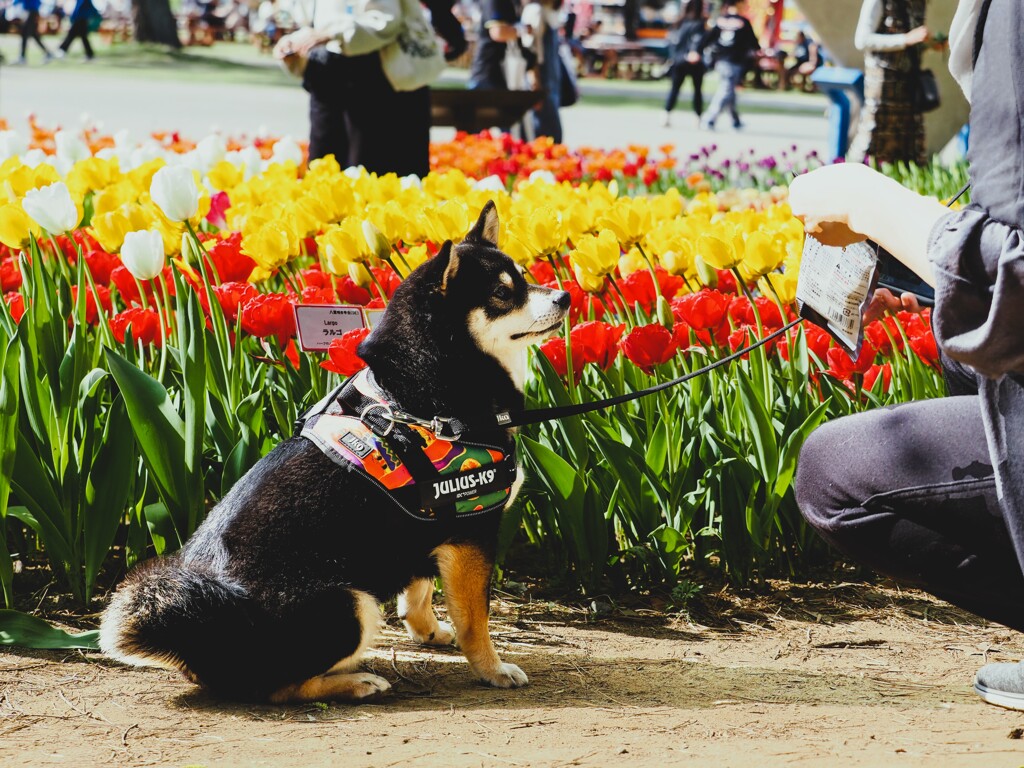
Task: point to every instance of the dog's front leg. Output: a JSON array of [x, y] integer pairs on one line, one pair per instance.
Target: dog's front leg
[[417, 613], [466, 579]]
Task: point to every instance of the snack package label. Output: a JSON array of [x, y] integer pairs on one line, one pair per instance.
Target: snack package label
[[836, 284]]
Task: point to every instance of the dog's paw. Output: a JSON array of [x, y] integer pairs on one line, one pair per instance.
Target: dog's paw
[[443, 635], [365, 685], [505, 676]]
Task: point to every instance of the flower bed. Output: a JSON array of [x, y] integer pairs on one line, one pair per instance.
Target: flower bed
[[156, 300]]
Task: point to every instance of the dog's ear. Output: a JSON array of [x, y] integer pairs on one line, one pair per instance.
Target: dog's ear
[[486, 228], [450, 259]]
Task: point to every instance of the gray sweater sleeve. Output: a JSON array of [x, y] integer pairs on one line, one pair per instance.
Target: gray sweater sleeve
[[979, 292]]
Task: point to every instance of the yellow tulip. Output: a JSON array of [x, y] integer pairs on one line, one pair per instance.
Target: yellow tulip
[[783, 283], [679, 262], [588, 281], [511, 242], [225, 176], [92, 174], [545, 231], [597, 255], [416, 255], [268, 246], [717, 253], [449, 220], [760, 255], [631, 261], [15, 225], [629, 219], [342, 246]]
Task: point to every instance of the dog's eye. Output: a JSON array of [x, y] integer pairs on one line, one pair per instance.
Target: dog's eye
[[503, 293]]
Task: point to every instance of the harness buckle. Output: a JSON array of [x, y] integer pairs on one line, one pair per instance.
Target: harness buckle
[[389, 414], [442, 427]]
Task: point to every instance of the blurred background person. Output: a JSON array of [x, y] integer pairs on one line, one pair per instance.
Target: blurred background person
[[890, 127], [498, 20], [687, 58], [84, 17], [733, 45], [29, 13], [541, 22]]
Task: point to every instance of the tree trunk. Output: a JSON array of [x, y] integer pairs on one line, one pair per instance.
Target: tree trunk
[[154, 22]]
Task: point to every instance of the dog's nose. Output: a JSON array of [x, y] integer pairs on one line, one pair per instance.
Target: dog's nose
[[562, 299]]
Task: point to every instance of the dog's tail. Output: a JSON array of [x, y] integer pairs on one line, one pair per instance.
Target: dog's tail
[[172, 615]]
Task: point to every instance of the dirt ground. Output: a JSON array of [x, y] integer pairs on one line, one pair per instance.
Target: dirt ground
[[849, 675]]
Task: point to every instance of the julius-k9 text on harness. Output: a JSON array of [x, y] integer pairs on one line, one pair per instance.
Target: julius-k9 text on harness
[[427, 476]]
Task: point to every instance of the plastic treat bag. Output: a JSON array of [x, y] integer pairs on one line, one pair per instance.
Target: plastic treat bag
[[834, 288]]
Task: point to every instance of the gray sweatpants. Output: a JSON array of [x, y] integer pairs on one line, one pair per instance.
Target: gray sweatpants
[[909, 491]]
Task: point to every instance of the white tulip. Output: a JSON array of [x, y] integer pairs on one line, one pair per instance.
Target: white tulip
[[546, 177], [52, 208], [412, 181], [70, 148], [143, 254], [211, 150], [286, 150], [12, 145], [492, 183], [175, 192]]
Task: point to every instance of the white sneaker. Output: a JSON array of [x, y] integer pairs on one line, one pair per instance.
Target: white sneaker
[[667, 122], [1001, 685], [60, 53]]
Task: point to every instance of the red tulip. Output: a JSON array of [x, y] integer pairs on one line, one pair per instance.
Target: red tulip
[[924, 347], [871, 376], [269, 314], [581, 303], [542, 272], [638, 288], [230, 296], [843, 368], [219, 204], [554, 351], [727, 281], [349, 292], [231, 264], [16, 305], [144, 324], [91, 313], [101, 264], [649, 345], [10, 275], [316, 276], [312, 294], [816, 339], [342, 356], [596, 342], [388, 279], [703, 310]]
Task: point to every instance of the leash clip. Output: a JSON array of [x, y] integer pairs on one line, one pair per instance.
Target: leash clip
[[442, 427], [388, 414]]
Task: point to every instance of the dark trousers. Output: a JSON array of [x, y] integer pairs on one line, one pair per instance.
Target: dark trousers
[[30, 31], [80, 29], [909, 491], [355, 115], [680, 71]]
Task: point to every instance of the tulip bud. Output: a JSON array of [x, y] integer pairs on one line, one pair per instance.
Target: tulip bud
[[360, 274], [52, 208], [175, 192], [379, 245], [708, 276], [143, 254], [665, 316], [189, 251]]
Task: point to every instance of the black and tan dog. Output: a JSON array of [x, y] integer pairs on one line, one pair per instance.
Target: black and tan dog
[[276, 595]]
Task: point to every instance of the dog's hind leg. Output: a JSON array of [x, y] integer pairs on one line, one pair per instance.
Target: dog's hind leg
[[466, 578], [417, 613], [341, 682]]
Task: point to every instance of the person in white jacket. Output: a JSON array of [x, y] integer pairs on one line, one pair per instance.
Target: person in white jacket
[[355, 113]]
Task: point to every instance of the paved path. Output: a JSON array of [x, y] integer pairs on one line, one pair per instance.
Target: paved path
[[65, 97]]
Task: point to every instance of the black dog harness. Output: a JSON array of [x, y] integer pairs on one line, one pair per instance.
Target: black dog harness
[[429, 476]]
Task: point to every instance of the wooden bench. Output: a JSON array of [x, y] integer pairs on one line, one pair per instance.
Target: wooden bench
[[475, 111]]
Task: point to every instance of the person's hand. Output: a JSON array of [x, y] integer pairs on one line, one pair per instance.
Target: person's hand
[[299, 43], [834, 200], [884, 301], [917, 35], [692, 57]]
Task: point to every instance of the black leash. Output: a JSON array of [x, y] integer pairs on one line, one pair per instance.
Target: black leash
[[451, 427]]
